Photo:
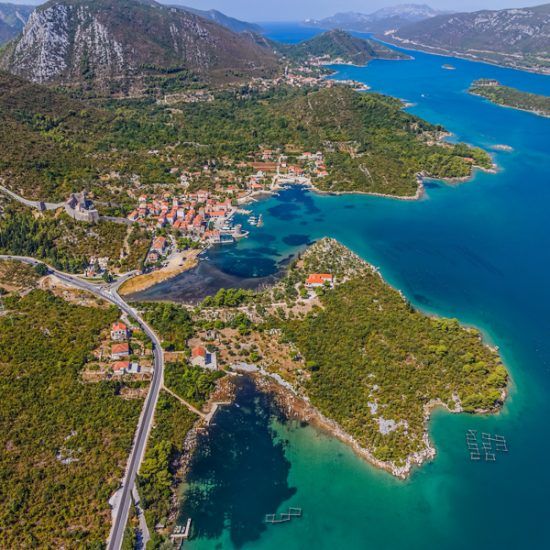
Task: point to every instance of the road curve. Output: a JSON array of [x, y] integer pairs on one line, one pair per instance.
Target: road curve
[[109, 293]]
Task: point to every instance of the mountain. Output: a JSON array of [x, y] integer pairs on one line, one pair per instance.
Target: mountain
[[338, 44], [515, 37], [379, 21], [235, 25], [12, 20], [121, 46]]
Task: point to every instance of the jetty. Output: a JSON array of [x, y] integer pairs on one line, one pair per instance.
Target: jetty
[[283, 517], [181, 532]]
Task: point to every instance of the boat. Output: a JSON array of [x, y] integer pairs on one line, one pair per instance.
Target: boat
[[260, 221], [252, 220]]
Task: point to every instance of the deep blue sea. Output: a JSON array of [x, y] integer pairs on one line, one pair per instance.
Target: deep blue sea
[[479, 251]]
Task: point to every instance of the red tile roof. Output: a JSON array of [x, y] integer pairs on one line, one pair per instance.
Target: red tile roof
[[198, 351], [121, 365], [319, 278], [120, 348]]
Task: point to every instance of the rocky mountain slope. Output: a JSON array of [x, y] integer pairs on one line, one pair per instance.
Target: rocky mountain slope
[[120, 46], [235, 25], [12, 20], [380, 21], [514, 37]]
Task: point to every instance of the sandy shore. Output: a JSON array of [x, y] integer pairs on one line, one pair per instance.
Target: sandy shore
[[177, 264]]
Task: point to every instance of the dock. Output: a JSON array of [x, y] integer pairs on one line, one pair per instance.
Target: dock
[[181, 532]]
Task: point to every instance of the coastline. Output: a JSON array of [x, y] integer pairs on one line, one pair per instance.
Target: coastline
[[298, 407], [143, 282], [222, 395], [414, 46], [531, 111]]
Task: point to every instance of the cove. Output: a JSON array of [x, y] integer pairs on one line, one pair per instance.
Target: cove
[[480, 252]]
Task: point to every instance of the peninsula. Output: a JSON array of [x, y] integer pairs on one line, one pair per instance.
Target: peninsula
[[495, 92], [347, 352]]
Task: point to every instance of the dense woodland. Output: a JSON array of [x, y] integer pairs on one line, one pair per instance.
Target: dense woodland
[[53, 144], [193, 384], [172, 322], [373, 358], [64, 443]]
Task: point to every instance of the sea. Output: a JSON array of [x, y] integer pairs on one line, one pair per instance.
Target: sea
[[479, 252]]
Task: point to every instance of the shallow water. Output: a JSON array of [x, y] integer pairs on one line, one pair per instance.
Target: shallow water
[[480, 252]]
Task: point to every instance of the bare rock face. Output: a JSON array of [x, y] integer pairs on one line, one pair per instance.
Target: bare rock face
[[41, 53], [115, 44]]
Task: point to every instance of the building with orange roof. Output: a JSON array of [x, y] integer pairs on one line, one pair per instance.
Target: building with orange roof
[[201, 357], [119, 331], [316, 280], [120, 367], [159, 245], [118, 351]]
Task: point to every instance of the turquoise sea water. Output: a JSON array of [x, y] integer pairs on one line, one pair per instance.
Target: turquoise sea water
[[480, 252]]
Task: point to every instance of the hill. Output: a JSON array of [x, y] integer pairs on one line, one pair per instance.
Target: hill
[[515, 37], [235, 25], [122, 46], [338, 44], [52, 145], [12, 20], [380, 21]]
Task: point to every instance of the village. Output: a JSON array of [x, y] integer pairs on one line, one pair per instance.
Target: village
[[198, 219]]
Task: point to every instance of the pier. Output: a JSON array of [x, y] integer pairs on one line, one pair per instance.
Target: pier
[[181, 532], [491, 444]]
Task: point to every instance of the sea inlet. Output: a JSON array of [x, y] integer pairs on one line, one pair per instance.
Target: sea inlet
[[479, 251]]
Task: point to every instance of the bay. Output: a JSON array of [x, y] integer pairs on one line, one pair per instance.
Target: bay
[[480, 252]]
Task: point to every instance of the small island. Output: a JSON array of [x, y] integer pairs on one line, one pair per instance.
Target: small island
[[495, 92]]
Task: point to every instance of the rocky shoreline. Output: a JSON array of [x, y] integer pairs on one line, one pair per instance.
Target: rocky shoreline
[[298, 407]]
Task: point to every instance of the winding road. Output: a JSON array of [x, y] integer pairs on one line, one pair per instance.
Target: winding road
[[109, 292]]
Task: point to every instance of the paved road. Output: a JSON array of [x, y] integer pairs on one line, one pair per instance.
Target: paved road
[[110, 293]]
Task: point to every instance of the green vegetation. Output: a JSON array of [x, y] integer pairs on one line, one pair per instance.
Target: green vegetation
[[64, 443], [158, 473], [53, 144], [172, 323], [511, 97], [375, 363], [58, 240], [228, 297], [371, 144], [191, 383]]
